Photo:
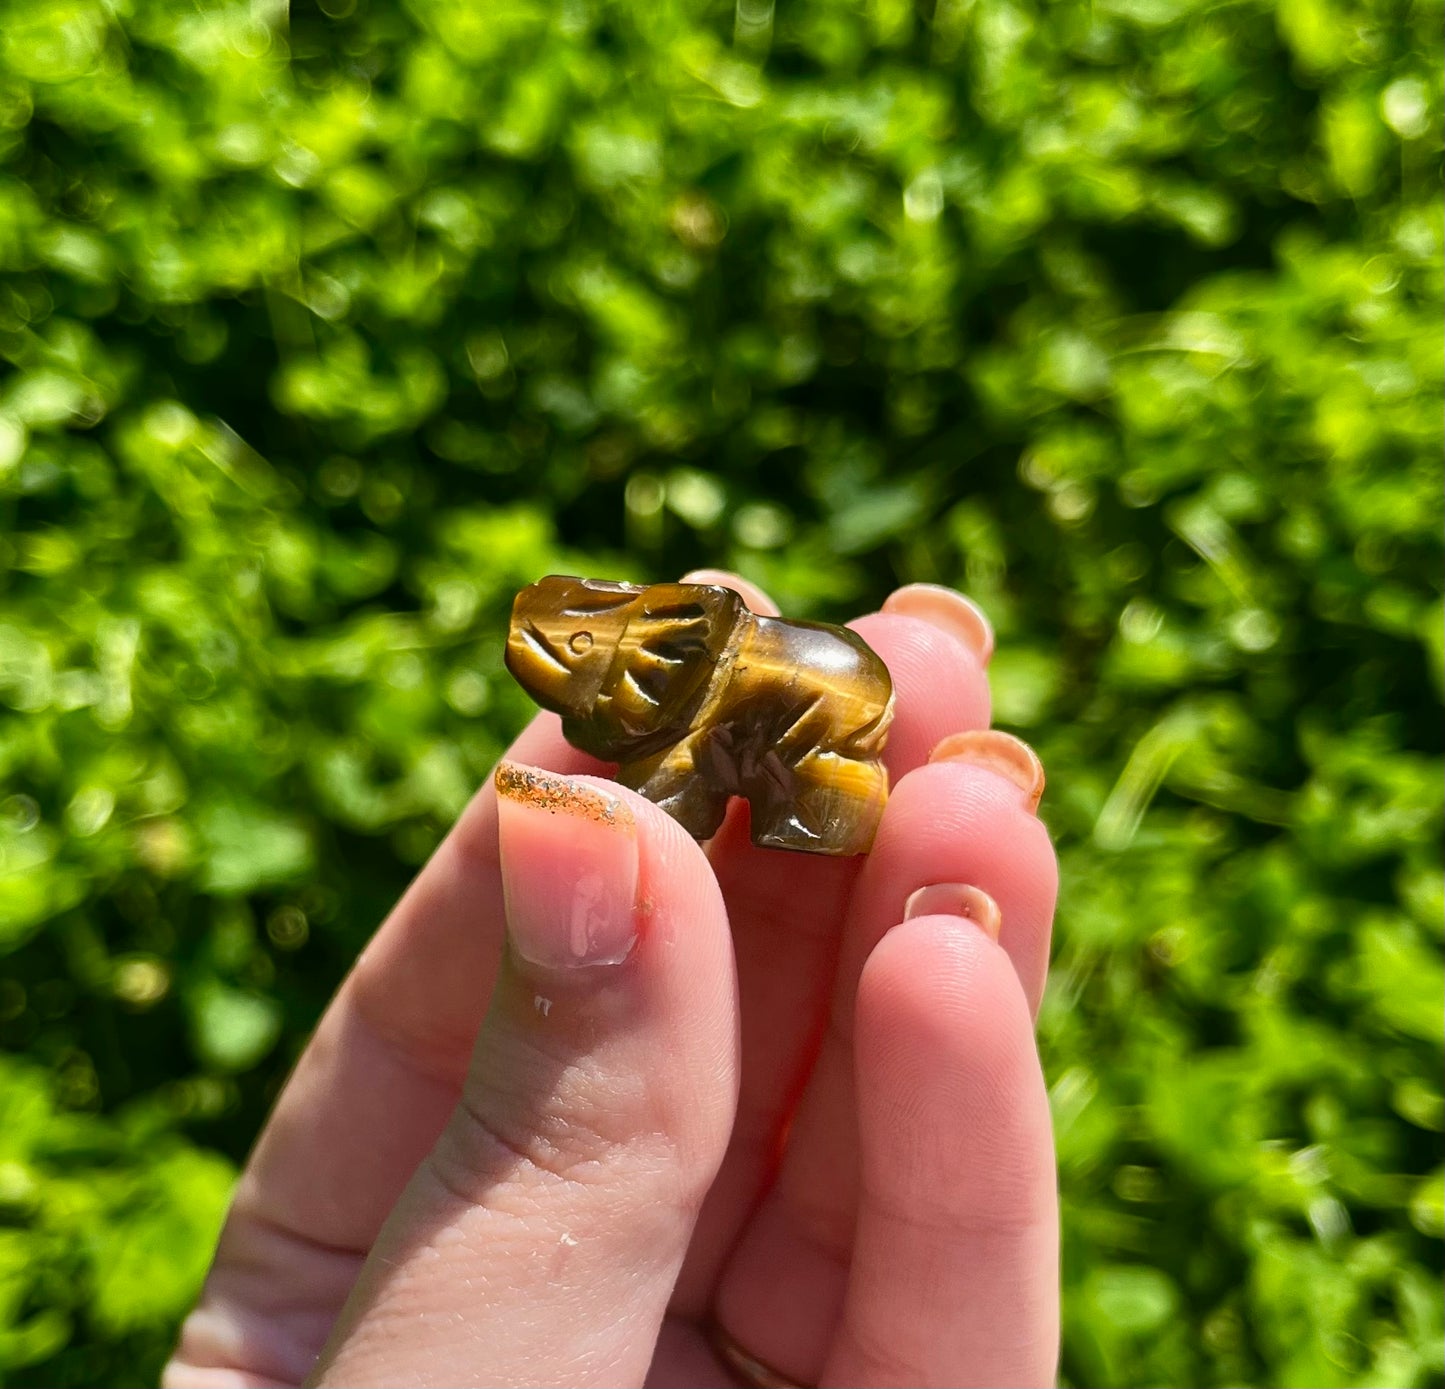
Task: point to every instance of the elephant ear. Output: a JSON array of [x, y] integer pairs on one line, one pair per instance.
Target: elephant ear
[[663, 666]]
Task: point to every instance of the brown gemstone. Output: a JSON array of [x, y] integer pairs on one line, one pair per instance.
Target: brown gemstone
[[697, 699]]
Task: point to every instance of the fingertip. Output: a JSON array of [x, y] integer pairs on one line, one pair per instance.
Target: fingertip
[[1000, 752], [964, 822], [472, 840], [945, 1051], [938, 679], [674, 866], [569, 858], [609, 868], [947, 609], [938, 986], [948, 803]]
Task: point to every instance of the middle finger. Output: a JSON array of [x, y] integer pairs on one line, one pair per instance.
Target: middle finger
[[786, 911]]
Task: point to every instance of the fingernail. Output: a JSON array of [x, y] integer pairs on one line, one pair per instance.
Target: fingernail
[[948, 610], [999, 752], [569, 869], [956, 899], [756, 600]]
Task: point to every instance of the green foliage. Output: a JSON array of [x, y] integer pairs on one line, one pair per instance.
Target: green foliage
[[105, 1224], [325, 331]]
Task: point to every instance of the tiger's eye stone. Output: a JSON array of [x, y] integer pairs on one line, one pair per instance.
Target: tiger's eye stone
[[698, 699]]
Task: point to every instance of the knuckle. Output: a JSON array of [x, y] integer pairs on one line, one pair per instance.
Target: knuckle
[[573, 1129], [869, 1348], [820, 1223], [481, 1150]]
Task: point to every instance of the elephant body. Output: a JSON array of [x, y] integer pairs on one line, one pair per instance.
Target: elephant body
[[698, 699]]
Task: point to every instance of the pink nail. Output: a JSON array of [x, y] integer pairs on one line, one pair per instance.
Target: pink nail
[[956, 899], [569, 869]]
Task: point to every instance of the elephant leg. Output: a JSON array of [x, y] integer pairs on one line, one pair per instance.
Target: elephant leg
[[828, 805], [672, 780]]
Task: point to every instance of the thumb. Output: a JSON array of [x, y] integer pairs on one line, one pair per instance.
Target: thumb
[[539, 1241]]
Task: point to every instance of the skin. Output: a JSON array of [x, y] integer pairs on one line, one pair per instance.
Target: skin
[[783, 1101]]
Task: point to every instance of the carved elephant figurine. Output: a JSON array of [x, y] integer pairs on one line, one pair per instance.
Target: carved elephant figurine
[[699, 699]]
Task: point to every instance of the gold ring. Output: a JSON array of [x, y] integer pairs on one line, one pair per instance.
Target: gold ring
[[755, 1373]]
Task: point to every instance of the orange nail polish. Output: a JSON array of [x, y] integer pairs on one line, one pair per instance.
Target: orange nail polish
[[948, 610], [999, 752], [569, 860]]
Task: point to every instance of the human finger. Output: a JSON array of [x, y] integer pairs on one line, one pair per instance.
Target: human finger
[[787, 911], [757, 601], [366, 1101], [954, 1272], [540, 1240], [966, 822], [946, 608], [968, 815]]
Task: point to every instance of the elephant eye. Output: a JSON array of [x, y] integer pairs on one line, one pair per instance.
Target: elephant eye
[[579, 642]]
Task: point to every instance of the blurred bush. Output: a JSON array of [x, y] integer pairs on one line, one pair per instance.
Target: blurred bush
[[325, 330]]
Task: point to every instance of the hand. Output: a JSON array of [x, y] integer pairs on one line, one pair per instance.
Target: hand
[[596, 1101]]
